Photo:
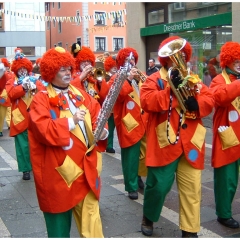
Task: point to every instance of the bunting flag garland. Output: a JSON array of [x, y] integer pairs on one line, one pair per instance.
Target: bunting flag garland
[[76, 19], [96, 29]]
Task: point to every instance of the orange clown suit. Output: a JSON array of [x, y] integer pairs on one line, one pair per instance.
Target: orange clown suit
[[71, 169], [4, 99]]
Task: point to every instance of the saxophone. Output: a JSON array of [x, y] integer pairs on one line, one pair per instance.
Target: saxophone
[[110, 100]]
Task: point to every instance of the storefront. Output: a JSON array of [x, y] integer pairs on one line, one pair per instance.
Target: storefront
[[206, 34]]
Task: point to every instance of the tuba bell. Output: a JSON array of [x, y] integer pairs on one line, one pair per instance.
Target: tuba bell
[[187, 88]]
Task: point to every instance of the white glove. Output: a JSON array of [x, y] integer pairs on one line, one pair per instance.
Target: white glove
[[2, 69], [26, 83], [32, 85]]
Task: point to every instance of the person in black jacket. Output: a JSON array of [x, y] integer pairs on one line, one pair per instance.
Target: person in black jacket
[[152, 68]]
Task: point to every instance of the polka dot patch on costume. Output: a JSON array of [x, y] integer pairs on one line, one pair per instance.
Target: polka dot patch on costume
[[53, 114], [193, 155], [233, 116], [97, 183], [69, 146], [130, 105]]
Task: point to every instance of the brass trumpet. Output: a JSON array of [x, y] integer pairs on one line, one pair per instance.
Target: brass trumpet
[[98, 71], [140, 75]]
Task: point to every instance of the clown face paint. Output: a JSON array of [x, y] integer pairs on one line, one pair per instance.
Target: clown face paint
[[22, 72], [235, 66], [132, 61], [113, 70], [63, 77], [84, 64]]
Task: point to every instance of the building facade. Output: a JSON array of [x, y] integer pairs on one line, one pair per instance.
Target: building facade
[[19, 27], [206, 25], [100, 26]]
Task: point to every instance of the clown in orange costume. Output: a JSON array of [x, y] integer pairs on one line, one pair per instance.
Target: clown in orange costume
[[83, 78], [66, 163], [130, 121], [5, 103], [175, 145], [226, 132], [20, 89]]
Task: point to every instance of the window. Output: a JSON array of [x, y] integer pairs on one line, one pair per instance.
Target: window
[[1, 19], [99, 18], [117, 18], [100, 43], [59, 5], [156, 16], [53, 5], [54, 23], [28, 51], [59, 44], [2, 51], [117, 44], [59, 27], [78, 15], [47, 7], [178, 5]]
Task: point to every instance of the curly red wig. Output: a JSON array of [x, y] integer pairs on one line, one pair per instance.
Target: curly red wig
[[230, 52], [187, 49], [109, 63], [21, 62], [123, 54], [5, 62], [38, 60], [53, 60], [85, 54]]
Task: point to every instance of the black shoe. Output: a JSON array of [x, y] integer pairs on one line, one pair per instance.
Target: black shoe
[[147, 227], [140, 183], [1, 134], [228, 222], [189, 234], [133, 195], [26, 176], [110, 150]]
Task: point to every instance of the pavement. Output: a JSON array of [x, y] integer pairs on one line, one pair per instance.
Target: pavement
[[20, 216]]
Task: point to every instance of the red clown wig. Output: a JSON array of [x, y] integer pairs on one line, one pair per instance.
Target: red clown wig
[[109, 63], [53, 60], [187, 49], [84, 54], [38, 61], [5, 62], [230, 52], [21, 62], [123, 54]]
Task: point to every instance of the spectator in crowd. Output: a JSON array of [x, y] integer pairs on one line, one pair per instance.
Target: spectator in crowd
[[152, 68]]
